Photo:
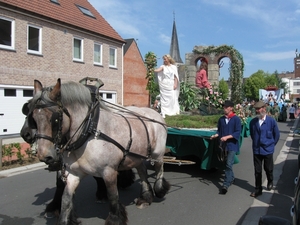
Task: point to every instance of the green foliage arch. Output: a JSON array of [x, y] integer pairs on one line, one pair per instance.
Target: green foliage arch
[[236, 67]]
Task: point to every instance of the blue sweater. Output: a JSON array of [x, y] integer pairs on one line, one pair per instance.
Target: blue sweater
[[234, 128], [264, 137]]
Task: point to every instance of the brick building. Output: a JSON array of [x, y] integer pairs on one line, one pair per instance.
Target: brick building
[[51, 39], [135, 81]]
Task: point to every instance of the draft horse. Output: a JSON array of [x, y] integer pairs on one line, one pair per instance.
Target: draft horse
[[121, 140], [125, 178]]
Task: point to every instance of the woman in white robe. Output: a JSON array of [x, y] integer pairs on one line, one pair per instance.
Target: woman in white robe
[[169, 87]]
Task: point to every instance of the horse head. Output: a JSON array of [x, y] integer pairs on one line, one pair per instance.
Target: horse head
[[46, 115]]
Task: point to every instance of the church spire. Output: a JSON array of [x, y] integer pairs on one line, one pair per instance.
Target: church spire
[[174, 48]]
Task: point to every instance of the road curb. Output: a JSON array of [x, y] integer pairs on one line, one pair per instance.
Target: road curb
[[22, 169], [260, 205]]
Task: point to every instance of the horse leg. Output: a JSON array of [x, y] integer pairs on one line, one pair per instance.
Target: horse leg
[[117, 212], [67, 215], [146, 195], [101, 193], [161, 186], [126, 178], [55, 204]]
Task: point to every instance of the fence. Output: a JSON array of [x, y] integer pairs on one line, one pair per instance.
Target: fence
[[7, 136]]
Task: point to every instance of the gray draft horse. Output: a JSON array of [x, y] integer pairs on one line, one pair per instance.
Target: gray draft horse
[[125, 178], [121, 140]]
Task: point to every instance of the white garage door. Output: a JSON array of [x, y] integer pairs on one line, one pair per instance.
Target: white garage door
[[12, 99]]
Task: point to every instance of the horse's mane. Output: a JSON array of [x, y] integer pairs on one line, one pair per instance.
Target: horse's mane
[[72, 95]]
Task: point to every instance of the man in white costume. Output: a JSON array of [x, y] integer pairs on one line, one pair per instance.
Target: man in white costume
[[169, 87]]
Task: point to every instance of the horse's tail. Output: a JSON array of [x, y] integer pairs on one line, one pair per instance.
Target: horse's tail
[[161, 187]]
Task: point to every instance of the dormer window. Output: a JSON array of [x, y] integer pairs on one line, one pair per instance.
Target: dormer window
[[55, 1], [85, 11]]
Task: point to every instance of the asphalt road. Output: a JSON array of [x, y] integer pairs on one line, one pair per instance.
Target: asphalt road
[[193, 198]]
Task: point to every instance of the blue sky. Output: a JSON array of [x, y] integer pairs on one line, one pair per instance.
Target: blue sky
[[266, 33]]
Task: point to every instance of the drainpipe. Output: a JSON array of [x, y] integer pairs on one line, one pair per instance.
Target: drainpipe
[[122, 100]]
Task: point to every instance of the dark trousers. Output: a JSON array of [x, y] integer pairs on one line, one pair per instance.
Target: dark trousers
[[259, 160]]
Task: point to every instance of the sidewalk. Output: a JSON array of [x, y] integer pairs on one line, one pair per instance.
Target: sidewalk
[[21, 169], [270, 199]]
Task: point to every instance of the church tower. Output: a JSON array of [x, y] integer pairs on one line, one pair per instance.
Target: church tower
[[174, 48]]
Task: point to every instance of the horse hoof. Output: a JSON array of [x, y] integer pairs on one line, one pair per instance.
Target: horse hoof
[[143, 205], [49, 215]]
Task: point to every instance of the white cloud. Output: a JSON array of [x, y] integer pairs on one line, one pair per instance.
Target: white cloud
[[273, 56], [165, 38], [270, 16]]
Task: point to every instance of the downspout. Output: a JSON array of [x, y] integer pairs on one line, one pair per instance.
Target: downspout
[[122, 100]]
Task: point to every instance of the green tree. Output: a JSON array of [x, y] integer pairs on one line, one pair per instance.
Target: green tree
[[252, 85], [152, 85], [280, 83], [223, 88], [271, 80]]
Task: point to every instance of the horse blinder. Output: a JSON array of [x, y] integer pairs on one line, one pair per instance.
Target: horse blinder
[[31, 122], [54, 121]]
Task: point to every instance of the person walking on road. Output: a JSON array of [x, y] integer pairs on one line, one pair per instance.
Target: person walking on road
[[265, 134], [229, 131]]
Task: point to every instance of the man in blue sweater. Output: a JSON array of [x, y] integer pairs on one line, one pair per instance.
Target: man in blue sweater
[[265, 134], [228, 133]]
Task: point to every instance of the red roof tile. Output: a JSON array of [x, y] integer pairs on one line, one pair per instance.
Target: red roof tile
[[67, 12]]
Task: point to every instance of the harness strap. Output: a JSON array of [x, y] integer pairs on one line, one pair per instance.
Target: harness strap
[[44, 137], [89, 128], [148, 139], [109, 139], [126, 151]]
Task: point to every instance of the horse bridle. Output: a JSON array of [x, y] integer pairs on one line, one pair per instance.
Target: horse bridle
[[56, 120]]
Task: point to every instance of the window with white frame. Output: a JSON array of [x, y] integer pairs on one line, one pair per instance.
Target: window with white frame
[[7, 31], [34, 39], [97, 54], [78, 49], [112, 57]]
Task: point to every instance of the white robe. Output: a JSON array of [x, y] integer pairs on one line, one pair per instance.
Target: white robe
[[169, 96]]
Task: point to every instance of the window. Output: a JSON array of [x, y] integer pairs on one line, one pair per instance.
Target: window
[[109, 96], [112, 57], [27, 93], [10, 92], [34, 37], [77, 49], [296, 83], [7, 31], [85, 11], [97, 54]]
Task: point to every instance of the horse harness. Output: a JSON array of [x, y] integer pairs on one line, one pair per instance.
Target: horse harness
[[89, 126]]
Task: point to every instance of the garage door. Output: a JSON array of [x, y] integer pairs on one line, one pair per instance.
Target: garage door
[[12, 99]]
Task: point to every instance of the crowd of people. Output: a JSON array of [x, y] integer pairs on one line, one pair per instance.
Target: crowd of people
[[279, 111]]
